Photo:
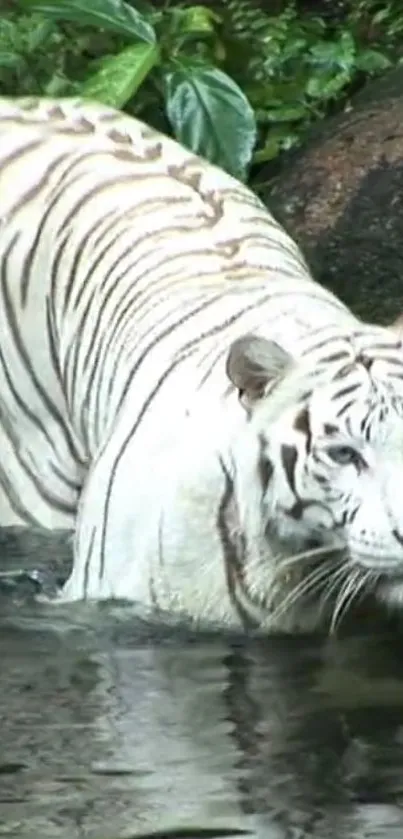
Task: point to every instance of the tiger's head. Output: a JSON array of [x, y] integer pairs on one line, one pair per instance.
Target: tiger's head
[[328, 435]]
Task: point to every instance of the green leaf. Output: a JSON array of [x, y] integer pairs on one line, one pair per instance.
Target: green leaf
[[333, 54], [211, 115], [114, 15], [270, 150], [287, 113], [41, 29], [327, 85], [348, 49], [59, 85], [119, 76], [11, 60], [370, 61], [382, 15], [276, 142], [198, 20]]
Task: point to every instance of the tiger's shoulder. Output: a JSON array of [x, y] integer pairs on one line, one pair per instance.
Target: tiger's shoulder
[[76, 120], [74, 113], [68, 122]]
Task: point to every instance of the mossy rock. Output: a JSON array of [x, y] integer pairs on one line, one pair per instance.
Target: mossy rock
[[341, 198]]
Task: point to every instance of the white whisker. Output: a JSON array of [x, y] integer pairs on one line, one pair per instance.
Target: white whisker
[[304, 587], [322, 550], [353, 591], [346, 595], [341, 571]]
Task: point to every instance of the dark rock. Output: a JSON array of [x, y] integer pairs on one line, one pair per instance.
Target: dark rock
[[341, 198]]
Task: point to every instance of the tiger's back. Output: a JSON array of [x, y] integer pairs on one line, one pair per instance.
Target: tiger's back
[[109, 229]]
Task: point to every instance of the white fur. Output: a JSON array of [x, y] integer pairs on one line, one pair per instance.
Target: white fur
[[134, 458]]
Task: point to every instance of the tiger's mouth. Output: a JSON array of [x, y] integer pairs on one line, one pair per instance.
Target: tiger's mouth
[[336, 584], [311, 569]]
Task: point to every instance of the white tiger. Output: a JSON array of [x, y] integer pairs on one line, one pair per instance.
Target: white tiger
[[224, 436]]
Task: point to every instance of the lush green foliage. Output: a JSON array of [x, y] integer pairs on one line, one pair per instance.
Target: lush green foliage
[[234, 84]]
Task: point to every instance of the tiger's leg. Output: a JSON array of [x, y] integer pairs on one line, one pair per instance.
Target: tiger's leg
[[107, 514], [16, 508], [39, 483]]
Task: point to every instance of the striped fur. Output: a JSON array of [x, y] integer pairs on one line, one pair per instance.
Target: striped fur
[[176, 388]]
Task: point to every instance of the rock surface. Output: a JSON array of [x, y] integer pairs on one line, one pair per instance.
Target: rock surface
[[341, 198]]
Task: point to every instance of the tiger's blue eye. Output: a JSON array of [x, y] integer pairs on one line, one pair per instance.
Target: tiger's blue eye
[[345, 456]]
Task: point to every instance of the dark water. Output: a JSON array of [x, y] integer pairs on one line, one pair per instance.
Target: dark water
[[110, 727]]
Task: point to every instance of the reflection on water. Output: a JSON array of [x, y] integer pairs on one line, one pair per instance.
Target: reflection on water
[[110, 728]]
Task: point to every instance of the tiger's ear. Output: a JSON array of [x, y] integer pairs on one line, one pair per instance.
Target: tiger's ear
[[254, 362]]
